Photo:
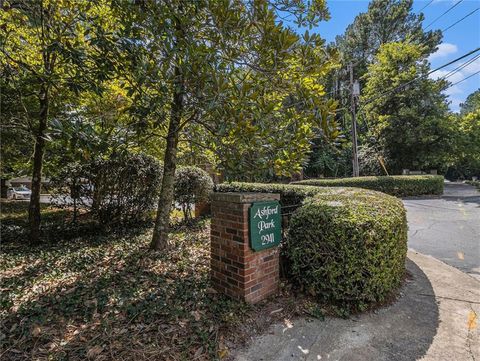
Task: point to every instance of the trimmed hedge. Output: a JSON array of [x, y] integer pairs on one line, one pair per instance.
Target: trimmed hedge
[[345, 246], [399, 186]]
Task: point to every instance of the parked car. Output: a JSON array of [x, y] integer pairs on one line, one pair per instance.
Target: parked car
[[21, 192]]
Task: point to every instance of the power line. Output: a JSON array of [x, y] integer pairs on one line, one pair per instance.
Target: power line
[[443, 30], [468, 77], [454, 61], [421, 77], [455, 23], [460, 67], [431, 1], [423, 43], [440, 16]]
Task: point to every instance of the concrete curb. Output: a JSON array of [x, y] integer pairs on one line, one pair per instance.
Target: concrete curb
[[436, 318], [458, 298]]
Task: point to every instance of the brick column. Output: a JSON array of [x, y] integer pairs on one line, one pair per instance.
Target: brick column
[[236, 270]]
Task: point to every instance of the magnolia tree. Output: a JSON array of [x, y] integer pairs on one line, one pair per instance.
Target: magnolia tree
[[227, 76]]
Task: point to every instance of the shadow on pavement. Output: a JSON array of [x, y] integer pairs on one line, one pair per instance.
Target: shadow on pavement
[[399, 332]]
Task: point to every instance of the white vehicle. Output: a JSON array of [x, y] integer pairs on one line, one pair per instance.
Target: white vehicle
[[21, 192]]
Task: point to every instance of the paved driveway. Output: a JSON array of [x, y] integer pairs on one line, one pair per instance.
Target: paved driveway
[[448, 227]]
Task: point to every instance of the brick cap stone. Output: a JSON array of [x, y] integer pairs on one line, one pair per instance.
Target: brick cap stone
[[244, 197]]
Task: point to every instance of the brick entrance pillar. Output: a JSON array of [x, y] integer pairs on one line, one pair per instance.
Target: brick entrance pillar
[[236, 270]]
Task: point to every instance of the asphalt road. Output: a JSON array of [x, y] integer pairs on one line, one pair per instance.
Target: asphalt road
[[447, 227]]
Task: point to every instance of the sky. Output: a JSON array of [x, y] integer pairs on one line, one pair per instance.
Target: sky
[[457, 41]]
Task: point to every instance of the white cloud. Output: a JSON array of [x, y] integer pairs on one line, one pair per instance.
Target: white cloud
[[457, 75], [454, 90], [457, 93], [473, 67], [444, 49], [453, 78]]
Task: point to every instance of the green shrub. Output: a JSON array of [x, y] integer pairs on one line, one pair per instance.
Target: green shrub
[[349, 251], [399, 186], [192, 184], [120, 189], [346, 246]]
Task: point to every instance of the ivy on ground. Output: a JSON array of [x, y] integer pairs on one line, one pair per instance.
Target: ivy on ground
[[106, 296]]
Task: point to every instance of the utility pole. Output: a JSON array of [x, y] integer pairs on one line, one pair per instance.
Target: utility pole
[[354, 91]]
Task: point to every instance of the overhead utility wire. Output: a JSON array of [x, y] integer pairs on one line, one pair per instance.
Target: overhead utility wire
[[448, 10], [464, 79], [421, 77], [460, 67], [455, 23], [431, 1], [443, 30]]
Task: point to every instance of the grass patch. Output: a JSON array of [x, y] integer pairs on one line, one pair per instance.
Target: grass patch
[[108, 297]]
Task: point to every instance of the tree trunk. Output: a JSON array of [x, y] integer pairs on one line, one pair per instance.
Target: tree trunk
[[160, 232], [39, 149]]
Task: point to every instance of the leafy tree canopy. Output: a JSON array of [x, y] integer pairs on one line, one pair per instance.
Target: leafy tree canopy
[[408, 122], [471, 104]]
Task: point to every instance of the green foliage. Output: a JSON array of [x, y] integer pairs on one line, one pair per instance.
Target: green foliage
[[109, 279], [348, 249], [344, 245], [226, 77], [399, 186], [471, 104], [192, 185], [369, 159], [254, 87], [385, 21], [329, 160], [291, 196], [464, 161], [120, 189], [51, 52], [410, 127]]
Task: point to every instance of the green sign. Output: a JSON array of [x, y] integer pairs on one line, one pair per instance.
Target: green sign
[[265, 224]]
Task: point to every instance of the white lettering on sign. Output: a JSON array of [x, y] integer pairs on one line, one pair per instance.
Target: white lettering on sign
[[266, 212], [262, 225], [267, 239]]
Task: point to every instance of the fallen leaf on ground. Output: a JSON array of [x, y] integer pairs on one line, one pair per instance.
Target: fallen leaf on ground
[[94, 352], [288, 323], [36, 331], [472, 320], [196, 315], [276, 311]]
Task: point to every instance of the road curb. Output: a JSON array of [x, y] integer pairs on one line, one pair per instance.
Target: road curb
[[458, 298], [435, 319]]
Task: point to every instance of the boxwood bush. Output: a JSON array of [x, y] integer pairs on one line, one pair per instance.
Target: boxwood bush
[[192, 185], [399, 186], [345, 246]]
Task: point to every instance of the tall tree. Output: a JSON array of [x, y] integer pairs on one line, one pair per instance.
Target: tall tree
[[47, 50], [385, 21], [471, 104], [405, 110], [464, 160], [205, 63]]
